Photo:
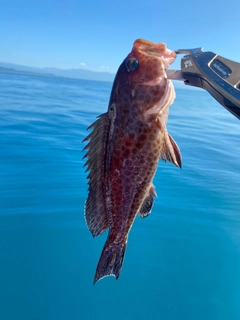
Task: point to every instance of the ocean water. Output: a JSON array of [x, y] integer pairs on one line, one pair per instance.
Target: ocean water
[[182, 262]]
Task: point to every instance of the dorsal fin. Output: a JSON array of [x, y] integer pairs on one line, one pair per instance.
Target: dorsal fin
[[147, 204], [95, 213], [171, 151]]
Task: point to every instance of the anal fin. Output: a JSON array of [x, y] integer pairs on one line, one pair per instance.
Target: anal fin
[[147, 204]]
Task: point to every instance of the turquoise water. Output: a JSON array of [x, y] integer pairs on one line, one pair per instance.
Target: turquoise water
[[181, 263]]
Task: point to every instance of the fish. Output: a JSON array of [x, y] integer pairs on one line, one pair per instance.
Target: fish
[[124, 148]]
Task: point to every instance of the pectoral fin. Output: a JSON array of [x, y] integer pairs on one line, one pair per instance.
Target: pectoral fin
[[171, 151], [147, 205]]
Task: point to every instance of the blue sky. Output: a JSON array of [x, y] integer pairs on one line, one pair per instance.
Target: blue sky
[[98, 34]]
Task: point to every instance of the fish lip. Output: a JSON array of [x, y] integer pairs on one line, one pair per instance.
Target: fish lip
[[162, 54], [158, 50]]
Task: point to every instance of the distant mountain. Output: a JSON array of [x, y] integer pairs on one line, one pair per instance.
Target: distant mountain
[[70, 73], [51, 72], [12, 70]]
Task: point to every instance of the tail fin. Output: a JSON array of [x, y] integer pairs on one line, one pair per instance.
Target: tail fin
[[110, 262]]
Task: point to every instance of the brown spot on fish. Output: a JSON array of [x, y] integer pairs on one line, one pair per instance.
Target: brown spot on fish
[[124, 148]]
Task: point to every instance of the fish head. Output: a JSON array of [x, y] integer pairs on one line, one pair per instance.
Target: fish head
[[148, 61], [141, 80]]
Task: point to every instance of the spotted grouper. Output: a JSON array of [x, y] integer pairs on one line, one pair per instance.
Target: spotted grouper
[[124, 148]]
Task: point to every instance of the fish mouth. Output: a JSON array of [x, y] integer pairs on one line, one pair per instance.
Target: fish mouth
[[159, 50], [149, 47]]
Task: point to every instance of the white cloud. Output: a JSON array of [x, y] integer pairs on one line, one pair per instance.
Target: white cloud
[[82, 64], [105, 67]]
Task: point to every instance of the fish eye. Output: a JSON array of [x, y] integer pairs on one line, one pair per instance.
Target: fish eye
[[131, 64]]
